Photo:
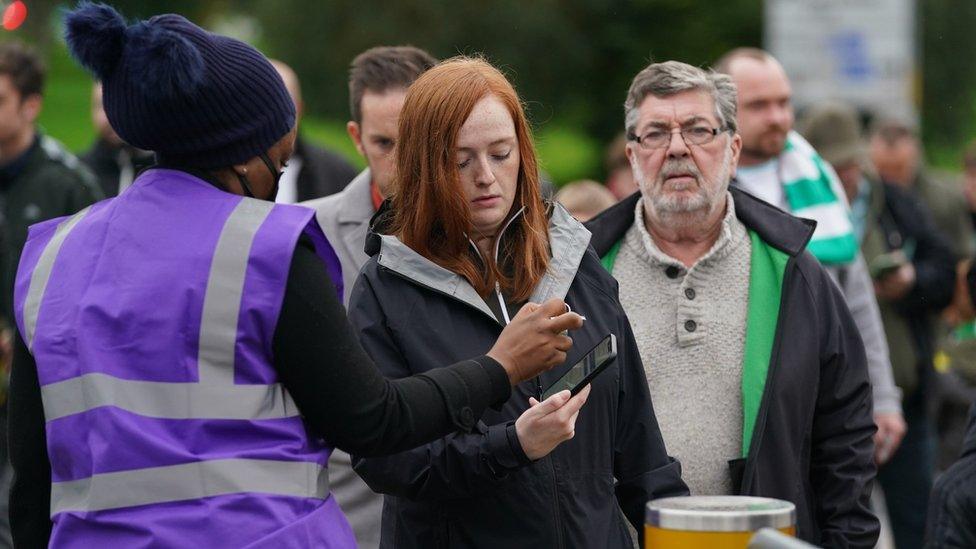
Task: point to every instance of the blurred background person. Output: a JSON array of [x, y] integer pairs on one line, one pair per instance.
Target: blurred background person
[[620, 178], [312, 172], [584, 199], [913, 269], [39, 180], [467, 241], [378, 82], [896, 153], [777, 165], [969, 181], [955, 371], [114, 163], [896, 150], [952, 507]]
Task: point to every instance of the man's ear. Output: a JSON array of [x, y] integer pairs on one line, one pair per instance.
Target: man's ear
[[31, 107], [736, 150], [355, 133]]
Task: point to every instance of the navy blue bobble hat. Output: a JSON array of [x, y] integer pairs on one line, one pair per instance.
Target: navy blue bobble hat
[[195, 98]]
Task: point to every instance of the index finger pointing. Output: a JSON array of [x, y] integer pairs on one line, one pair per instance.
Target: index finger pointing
[[553, 307], [565, 321]]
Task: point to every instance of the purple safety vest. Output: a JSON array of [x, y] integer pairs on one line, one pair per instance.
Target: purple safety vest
[[150, 317]]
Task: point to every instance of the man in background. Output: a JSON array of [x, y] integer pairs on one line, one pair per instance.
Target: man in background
[[114, 162], [896, 152], [39, 180], [620, 178], [913, 269], [777, 165], [378, 82], [312, 172], [584, 199], [969, 181]]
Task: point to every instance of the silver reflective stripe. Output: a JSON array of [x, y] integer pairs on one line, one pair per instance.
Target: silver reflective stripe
[[225, 286], [166, 400], [42, 273], [189, 481], [215, 396]]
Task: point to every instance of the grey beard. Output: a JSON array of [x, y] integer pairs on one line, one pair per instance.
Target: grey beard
[[687, 211]]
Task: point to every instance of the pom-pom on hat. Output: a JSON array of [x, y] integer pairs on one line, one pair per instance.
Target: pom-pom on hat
[[195, 98]]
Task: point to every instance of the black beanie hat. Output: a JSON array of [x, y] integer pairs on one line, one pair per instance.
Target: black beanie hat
[[195, 98]]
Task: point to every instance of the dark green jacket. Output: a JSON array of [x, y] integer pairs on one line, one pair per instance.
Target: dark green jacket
[[949, 210], [896, 220], [48, 182]]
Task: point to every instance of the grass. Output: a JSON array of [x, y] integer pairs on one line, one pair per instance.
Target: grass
[[67, 102]]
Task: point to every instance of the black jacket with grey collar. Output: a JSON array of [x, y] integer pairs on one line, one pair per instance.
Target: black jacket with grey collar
[[479, 489], [812, 440]]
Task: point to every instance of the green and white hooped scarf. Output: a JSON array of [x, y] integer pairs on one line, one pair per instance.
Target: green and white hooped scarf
[[814, 192]]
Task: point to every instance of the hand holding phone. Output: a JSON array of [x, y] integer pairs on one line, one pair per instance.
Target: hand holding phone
[[549, 423]]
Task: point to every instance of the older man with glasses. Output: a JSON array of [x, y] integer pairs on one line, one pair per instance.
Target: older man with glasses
[[754, 364]]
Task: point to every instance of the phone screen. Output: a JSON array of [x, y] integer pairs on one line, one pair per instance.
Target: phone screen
[[598, 356]]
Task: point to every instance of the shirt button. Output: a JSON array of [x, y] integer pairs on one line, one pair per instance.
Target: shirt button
[[691, 325], [690, 293], [672, 271]]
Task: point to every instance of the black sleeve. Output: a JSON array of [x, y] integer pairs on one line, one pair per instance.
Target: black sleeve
[[842, 467], [458, 466], [934, 261], [30, 494], [335, 385], [342, 394]]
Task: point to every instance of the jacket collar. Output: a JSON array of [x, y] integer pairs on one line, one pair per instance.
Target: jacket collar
[[357, 202], [568, 240], [774, 226]]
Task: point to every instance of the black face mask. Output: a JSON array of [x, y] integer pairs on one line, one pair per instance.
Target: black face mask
[[274, 173]]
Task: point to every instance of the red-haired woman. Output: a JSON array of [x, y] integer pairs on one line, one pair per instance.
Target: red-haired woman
[[468, 240]]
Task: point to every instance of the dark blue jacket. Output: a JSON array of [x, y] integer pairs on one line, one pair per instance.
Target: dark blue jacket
[[952, 508], [479, 489]]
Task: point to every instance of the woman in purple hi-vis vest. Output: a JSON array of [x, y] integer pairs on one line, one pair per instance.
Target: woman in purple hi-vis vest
[[184, 365]]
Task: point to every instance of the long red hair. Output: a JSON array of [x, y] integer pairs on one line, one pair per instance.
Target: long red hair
[[431, 213]]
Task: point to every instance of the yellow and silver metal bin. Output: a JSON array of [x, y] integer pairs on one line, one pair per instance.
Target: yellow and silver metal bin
[[714, 522]]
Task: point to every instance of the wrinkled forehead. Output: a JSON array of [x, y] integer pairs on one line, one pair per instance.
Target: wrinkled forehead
[[680, 109]]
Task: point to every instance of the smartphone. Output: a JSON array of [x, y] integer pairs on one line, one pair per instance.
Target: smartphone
[[584, 371]]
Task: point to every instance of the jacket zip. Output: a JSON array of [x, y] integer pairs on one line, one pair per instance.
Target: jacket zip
[[760, 426], [538, 386], [555, 503], [538, 379]]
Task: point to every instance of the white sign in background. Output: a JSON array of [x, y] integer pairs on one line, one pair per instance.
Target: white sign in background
[[860, 51]]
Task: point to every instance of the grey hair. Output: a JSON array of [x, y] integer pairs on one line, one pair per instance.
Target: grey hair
[[673, 77]]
